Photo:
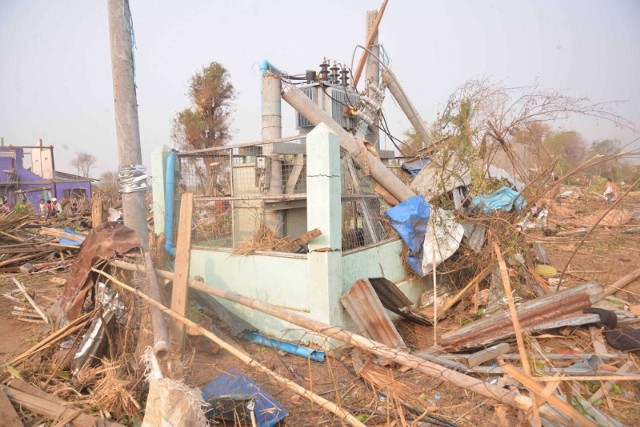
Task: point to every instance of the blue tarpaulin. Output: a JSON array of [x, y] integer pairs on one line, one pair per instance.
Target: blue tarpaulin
[[503, 199], [64, 241], [233, 382], [415, 166], [410, 219]]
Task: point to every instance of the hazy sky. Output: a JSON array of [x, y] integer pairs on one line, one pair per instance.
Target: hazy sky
[[55, 78]]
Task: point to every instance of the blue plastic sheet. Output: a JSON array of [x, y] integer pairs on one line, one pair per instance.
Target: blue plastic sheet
[[298, 350], [414, 167], [64, 241], [233, 382], [410, 219], [503, 199]]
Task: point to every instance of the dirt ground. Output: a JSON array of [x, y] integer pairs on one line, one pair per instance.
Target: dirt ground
[[605, 256]]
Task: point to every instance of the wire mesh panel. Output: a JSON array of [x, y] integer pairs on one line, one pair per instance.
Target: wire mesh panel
[[234, 186], [363, 219]]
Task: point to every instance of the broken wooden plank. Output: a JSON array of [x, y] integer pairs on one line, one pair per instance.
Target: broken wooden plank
[[31, 301], [8, 415], [61, 234], [299, 241], [370, 317], [53, 410], [180, 288]]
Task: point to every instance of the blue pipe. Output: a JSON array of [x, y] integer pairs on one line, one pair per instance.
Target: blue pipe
[[169, 202], [298, 350], [265, 66]]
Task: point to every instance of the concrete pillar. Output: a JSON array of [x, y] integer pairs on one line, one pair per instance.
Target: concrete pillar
[[158, 173], [272, 129], [324, 211], [372, 75]]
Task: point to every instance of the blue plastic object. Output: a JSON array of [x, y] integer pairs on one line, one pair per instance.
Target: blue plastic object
[[265, 66], [503, 199], [298, 350], [64, 241], [233, 382], [410, 219], [415, 168], [169, 202]]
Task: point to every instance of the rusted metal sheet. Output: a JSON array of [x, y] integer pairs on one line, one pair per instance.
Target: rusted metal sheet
[[370, 317], [395, 301], [102, 242], [534, 315]]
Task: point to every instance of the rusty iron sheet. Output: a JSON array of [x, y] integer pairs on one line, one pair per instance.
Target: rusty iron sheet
[[103, 241], [370, 317], [395, 301], [533, 316]]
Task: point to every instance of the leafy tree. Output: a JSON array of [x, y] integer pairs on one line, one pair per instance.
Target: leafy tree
[[83, 163], [109, 184], [568, 147], [207, 122]]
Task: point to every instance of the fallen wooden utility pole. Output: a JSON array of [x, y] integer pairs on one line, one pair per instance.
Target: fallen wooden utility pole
[[512, 398], [368, 43], [241, 355]]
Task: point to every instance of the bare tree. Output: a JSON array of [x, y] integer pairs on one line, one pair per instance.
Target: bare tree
[[83, 163], [109, 184]]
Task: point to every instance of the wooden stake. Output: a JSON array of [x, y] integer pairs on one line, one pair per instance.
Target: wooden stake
[[241, 355], [181, 277]]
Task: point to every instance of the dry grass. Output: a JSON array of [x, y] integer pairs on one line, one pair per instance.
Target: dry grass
[[263, 240]]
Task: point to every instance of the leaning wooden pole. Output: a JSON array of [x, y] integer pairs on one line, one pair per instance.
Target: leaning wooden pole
[[512, 398], [241, 355]]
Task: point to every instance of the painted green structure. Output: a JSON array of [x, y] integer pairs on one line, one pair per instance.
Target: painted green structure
[[310, 283]]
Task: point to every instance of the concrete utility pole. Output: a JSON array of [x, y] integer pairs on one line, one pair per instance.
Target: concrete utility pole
[[372, 74], [272, 129], [126, 109]]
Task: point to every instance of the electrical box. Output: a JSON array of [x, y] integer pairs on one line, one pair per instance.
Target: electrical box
[[334, 100], [263, 172]]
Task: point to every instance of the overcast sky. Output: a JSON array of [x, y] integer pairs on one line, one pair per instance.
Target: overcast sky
[[55, 76]]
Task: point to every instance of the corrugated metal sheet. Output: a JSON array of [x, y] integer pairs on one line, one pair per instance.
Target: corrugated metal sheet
[[394, 300], [370, 317], [532, 315]]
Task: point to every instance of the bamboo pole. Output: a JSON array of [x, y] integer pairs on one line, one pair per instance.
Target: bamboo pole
[[509, 397], [557, 403], [241, 355], [524, 359]]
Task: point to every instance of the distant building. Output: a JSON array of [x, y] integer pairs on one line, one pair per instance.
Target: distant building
[[40, 180]]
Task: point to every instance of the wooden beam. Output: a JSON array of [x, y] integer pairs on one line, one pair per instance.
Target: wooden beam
[[97, 213], [8, 415], [52, 410], [370, 38], [181, 276]]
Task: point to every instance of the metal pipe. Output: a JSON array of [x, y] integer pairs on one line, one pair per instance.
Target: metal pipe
[[266, 66], [169, 202], [391, 81], [305, 106]]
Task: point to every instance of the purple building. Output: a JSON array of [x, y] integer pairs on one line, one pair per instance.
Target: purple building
[[38, 179]]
